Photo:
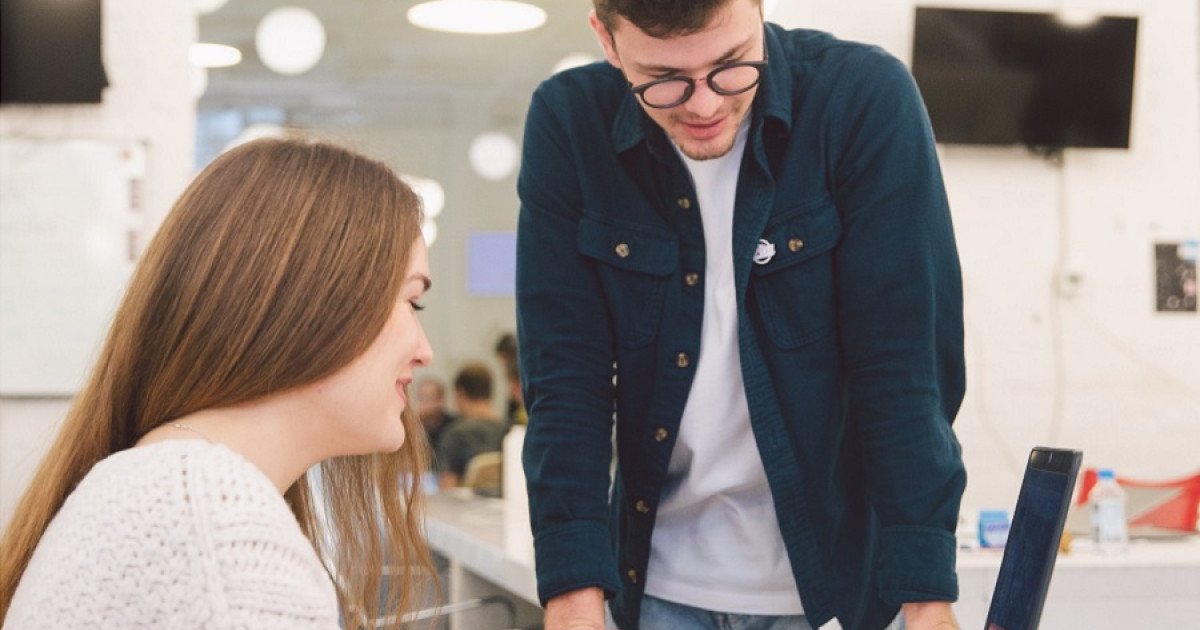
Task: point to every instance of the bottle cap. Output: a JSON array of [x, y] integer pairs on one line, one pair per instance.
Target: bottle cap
[[1106, 473]]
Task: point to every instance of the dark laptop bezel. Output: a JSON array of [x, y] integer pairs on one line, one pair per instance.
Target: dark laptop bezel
[[1059, 462]]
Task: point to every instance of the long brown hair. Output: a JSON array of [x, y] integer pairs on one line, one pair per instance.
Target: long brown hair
[[278, 265]]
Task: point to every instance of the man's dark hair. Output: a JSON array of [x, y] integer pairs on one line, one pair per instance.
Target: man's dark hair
[[474, 380], [659, 18], [506, 349]]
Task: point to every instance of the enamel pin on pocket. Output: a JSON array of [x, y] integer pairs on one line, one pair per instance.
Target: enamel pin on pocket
[[764, 252]]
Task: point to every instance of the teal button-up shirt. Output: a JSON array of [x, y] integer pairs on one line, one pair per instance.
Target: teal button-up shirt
[[850, 335]]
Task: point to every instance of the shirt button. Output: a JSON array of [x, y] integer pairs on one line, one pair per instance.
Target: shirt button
[[661, 434], [641, 506], [692, 279], [622, 250], [684, 203], [681, 360], [795, 244], [632, 575]]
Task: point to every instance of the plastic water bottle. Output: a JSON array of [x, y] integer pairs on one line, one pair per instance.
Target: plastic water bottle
[[1109, 525]]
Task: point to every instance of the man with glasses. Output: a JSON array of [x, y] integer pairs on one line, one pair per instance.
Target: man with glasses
[[735, 241]]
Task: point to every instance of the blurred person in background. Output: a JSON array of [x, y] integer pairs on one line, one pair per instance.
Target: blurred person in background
[[478, 429], [506, 351], [431, 406]]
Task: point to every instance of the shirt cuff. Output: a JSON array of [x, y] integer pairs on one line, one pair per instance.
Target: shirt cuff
[[916, 564], [574, 556]]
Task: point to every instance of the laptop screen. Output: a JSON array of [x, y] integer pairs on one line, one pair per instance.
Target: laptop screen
[[1032, 544]]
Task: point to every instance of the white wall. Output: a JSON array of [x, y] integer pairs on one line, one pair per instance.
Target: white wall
[[149, 98], [1094, 368], [1099, 371]]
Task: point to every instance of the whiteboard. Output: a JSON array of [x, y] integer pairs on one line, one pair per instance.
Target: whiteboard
[[69, 227]]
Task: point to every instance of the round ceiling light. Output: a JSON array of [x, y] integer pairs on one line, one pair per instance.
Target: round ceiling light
[[290, 40], [433, 196], [204, 55], [429, 230], [477, 17], [494, 155]]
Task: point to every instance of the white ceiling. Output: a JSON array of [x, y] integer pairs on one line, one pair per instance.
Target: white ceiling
[[378, 68]]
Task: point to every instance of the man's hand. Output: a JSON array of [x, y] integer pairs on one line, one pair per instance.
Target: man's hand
[[576, 610], [928, 616]]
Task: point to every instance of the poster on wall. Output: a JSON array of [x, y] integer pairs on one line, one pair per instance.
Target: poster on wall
[[1175, 276]]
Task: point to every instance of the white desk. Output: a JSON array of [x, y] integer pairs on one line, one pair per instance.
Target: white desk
[[1156, 585], [489, 554]]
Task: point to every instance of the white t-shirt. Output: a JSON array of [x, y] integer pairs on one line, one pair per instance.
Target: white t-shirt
[[716, 543], [175, 534]]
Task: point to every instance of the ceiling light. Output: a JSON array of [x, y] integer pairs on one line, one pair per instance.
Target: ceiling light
[[433, 196], [574, 60], [1077, 18], [494, 155], [214, 55], [290, 40], [429, 230], [477, 17], [204, 7]]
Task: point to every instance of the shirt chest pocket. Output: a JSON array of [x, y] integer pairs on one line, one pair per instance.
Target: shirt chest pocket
[[792, 281], [634, 266]]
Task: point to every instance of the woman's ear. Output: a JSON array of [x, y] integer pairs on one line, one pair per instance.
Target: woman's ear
[[606, 39]]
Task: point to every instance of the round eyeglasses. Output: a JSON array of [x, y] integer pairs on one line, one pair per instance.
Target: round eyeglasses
[[727, 80]]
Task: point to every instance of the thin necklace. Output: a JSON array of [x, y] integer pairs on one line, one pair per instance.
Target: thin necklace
[[188, 427]]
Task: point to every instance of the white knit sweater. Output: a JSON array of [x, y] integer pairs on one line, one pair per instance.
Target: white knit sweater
[[175, 534]]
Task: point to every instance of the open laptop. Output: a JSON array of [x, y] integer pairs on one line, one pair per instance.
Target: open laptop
[[1033, 538]]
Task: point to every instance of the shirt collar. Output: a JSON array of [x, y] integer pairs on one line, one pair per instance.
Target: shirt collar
[[627, 129], [773, 100], [775, 95]]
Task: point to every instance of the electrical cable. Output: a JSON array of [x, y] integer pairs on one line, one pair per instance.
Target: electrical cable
[[1058, 401]]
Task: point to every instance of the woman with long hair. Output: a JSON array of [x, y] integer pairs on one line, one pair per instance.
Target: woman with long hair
[[270, 326]]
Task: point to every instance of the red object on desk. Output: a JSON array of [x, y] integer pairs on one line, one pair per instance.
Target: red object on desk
[[1176, 508]]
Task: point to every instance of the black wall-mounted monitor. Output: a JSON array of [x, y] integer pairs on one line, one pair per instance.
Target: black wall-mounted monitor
[[50, 51], [1034, 79]]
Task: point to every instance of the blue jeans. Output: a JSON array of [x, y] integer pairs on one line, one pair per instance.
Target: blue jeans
[[658, 614]]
